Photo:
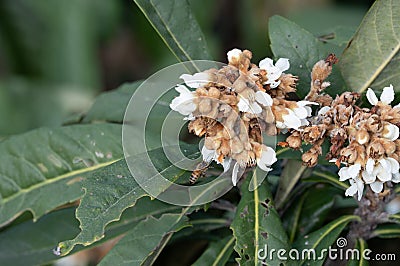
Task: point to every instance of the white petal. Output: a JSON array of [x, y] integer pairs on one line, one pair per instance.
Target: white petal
[[273, 73], [369, 167], [396, 178], [234, 54], [197, 80], [396, 106], [268, 157], [368, 178], [282, 64], [394, 165], [304, 122], [354, 170], [208, 155], [227, 164], [255, 108], [301, 112], [190, 117], [384, 174], [387, 95], [243, 105], [182, 89], [352, 189], [280, 125], [266, 63], [304, 103], [360, 187], [291, 120], [183, 104], [324, 110], [376, 186], [264, 98], [372, 97], [343, 175], [235, 174]]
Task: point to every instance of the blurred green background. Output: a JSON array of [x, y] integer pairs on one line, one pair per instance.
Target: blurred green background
[[56, 56]]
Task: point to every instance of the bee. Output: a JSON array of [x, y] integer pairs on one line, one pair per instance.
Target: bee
[[200, 170]]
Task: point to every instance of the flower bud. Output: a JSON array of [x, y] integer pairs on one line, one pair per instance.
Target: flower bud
[[362, 136]]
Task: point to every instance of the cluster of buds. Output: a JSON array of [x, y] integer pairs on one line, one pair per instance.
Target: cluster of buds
[[364, 142], [232, 107]]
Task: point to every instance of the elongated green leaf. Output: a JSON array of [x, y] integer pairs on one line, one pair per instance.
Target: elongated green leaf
[[387, 231], [372, 56], [361, 246], [320, 240], [257, 225], [326, 177], [33, 242], [317, 205], [111, 106], [112, 190], [217, 253], [289, 177], [303, 49], [143, 239], [176, 25], [43, 169]]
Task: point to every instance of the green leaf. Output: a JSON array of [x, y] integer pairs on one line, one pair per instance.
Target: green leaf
[[309, 210], [143, 239], [217, 253], [111, 106], [176, 25], [303, 49], [387, 231], [317, 205], [326, 177], [44, 168], [372, 56], [111, 190], [256, 225], [43, 235], [322, 239], [290, 175], [361, 246]]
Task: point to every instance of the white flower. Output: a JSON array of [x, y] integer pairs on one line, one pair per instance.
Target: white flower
[[184, 102], [390, 131], [297, 116], [211, 155], [356, 185], [264, 98], [246, 106], [274, 71], [387, 95], [196, 80], [252, 106], [234, 55], [350, 172], [324, 110], [268, 157]]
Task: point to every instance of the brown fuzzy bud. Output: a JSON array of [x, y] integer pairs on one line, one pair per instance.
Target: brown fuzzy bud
[[375, 149], [213, 92], [294, 141], [310, 158], [212, 143], [349, 154], [204, 106], [236, 145]]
